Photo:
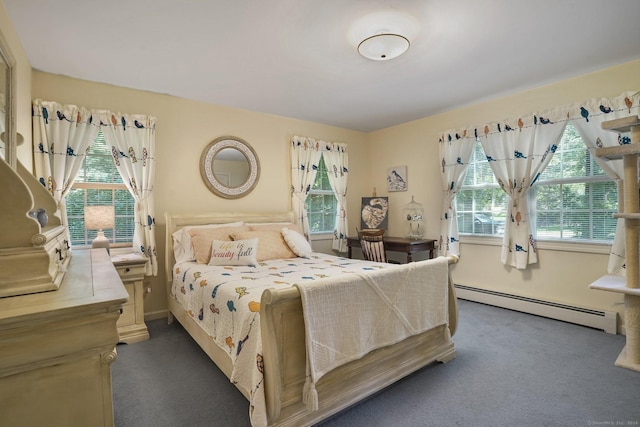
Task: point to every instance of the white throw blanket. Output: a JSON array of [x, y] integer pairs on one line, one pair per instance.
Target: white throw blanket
[[350, 315]]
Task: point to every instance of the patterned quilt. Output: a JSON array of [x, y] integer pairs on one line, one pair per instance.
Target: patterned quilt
[[225, 301]]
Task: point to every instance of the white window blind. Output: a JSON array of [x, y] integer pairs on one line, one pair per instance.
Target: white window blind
[[321, 203], [573, 199], [98, 183]]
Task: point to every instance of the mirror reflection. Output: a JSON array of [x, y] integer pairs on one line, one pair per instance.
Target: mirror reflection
[[231, 167]]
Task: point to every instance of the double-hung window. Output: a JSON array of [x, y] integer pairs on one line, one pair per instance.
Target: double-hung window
[[98, 183], [573, 200], [321, 203], [480, 202]]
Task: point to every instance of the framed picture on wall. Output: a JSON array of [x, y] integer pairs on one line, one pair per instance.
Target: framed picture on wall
[[397, 178], [374, 213]]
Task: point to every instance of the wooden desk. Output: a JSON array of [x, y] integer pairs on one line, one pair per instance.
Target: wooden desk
[[400, 244]]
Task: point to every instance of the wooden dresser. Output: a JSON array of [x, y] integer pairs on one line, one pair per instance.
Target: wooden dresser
[[56, 348]]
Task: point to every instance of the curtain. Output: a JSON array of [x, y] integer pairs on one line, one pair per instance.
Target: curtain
[[132, 140], [305, 156], [587, 118], [62, 135], [456, 148], [336, 160], [518, 151]]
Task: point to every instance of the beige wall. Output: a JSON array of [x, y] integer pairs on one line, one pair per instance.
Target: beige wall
[[560, 276]]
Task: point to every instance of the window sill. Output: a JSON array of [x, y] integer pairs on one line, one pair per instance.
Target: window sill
[[118, 248], [548, 245], [321, 236]]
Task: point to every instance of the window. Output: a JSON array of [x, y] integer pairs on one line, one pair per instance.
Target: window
[[99, 183], [481, 203], [573, 200], [321, 204]]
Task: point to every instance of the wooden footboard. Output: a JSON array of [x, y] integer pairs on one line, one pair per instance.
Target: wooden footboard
[[284, 355]]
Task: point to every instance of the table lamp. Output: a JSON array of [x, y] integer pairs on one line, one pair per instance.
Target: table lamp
[[99, 217]]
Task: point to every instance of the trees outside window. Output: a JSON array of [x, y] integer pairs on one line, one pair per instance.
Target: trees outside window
[[321, 204], [573, 199]]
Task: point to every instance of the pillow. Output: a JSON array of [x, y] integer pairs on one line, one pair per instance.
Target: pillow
[[297, 242], [238, 252], [274, 226], [271, 244], [182, 247], [202, 239]]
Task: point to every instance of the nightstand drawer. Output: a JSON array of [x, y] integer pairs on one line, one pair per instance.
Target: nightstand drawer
[[130, 271]]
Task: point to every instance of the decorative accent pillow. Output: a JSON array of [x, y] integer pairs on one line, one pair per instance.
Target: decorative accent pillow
[[202, 239], [297, 242], [182, 246], [237, 252], [271, 244], [274, 226]]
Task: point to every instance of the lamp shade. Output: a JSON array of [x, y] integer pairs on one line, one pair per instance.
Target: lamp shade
[[382, 47], [99, 217]]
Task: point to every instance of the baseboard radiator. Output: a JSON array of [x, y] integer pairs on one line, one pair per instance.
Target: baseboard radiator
[[605, 320]]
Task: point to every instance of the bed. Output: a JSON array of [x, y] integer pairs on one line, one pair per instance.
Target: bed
[[269, 355]]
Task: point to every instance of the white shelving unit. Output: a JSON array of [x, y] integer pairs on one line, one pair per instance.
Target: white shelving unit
[[629, 199]]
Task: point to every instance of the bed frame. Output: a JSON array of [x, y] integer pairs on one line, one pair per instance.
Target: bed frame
[[283, 340]]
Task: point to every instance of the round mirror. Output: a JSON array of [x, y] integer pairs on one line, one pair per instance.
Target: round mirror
[[229, 167]]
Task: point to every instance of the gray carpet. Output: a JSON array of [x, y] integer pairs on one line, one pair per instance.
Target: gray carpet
[[511, 369]]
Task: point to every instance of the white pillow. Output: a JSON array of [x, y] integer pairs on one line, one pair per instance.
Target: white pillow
[[297, 242], [235, 252], [182, 246]]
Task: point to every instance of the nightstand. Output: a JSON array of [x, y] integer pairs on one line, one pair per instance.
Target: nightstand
[[131, 326]]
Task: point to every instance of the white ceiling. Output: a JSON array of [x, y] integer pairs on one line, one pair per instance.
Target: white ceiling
[[298, 58]]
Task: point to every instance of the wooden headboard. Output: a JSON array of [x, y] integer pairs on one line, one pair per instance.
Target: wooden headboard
[[174, 222]]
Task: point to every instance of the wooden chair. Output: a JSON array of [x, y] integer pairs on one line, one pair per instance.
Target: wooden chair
[[372, 245]]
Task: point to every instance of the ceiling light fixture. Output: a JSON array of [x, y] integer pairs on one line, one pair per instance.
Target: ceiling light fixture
[[383, 47]]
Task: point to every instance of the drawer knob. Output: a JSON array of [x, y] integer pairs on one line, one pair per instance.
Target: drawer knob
[[126, 270]]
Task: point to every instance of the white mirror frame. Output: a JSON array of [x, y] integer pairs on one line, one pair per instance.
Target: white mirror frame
[[9, 136], [208, 174]]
